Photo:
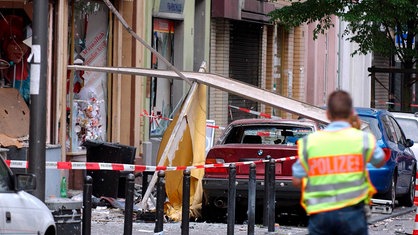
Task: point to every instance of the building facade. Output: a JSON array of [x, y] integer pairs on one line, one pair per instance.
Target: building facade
[[85, 105], [246, 46], [235, 37]]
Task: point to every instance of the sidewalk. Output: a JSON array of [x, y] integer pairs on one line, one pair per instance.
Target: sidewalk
[[111, 221]]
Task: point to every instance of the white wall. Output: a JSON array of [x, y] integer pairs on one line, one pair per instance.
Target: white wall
[[352, 72]]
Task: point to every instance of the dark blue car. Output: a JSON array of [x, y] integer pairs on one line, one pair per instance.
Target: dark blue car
[[396, 179]]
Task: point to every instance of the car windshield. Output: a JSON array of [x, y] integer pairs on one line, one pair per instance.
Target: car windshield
[[409, 127], [267, 134], [374, 126], [4, 178]]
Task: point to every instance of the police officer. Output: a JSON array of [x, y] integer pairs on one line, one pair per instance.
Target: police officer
[[331, 171]]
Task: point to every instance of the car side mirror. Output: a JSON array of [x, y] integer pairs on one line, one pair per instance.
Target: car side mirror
[[409, 143], [25, 182]]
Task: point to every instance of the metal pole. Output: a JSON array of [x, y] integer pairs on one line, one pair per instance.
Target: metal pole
[[38, 73], [266, 191], [251, 199], [87, 191], [145, 175], [232, 191], [159, 220], [129, 204], [186, 203], [271, 195]]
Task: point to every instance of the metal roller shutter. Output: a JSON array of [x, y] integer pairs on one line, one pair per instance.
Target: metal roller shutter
[[244, 63]]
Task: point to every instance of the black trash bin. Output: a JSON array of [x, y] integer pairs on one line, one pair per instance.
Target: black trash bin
[[67, 215], [105, 182]]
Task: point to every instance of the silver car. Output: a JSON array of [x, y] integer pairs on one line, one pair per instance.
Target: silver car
[[21, 212], [409, 125]]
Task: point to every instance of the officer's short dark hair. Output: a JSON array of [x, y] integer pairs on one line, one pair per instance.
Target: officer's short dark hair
[[340, 104]]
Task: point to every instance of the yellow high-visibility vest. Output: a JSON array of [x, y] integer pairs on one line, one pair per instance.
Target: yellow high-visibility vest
[[335, 162]]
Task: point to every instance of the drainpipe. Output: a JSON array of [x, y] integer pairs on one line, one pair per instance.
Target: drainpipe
[[276, 61], [340, 42], [276, 64], [325, 69]]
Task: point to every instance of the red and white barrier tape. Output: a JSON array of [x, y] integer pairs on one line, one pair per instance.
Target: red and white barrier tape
[[131, 167], [415, 231], [266, 115], [159, 117], [156, 118], [215, 127]]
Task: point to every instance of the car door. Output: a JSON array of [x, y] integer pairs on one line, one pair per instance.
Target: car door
[[15, 213], [405, 159], [410, 128], [20, 218], [4, 189], [2, 219]]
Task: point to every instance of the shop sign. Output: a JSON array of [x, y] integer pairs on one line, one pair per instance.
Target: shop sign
[[172, 6]]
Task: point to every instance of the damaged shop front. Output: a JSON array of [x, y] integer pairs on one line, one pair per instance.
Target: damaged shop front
[[76, 102], [86, 91], [15, 76], [15, 48]]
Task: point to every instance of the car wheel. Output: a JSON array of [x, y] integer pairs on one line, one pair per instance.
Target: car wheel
[[50, 231], [391, 193], [408, 199]]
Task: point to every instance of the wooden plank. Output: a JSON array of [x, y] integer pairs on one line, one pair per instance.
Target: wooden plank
[[226, 84], [60, 116]]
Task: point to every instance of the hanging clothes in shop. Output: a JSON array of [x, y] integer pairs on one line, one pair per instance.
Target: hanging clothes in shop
[[13, 31]]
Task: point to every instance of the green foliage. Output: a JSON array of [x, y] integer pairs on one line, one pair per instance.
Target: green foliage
[[372, 24]]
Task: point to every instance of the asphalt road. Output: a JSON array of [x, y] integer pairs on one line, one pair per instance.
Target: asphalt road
[[401, 221], [111, 221]]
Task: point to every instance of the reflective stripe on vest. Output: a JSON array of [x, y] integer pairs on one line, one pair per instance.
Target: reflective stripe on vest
[[335, 164], [327, 187], [335, 194]]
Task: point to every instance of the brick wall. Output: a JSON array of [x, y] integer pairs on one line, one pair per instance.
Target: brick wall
[[298, 65], [288, 48], [219, 64], [264, 64], [271, 51], [281, 53]]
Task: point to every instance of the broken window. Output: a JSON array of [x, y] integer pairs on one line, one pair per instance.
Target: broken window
[[87, 90]]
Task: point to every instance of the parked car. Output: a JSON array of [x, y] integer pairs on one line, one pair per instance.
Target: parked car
[[21, 212], [252, 140], [409, 125], [396, 179]]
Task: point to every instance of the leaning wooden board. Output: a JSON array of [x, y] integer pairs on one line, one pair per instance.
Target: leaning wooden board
[[14, 114]]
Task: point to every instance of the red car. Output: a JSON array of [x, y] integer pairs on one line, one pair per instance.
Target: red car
[[252, 140]]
